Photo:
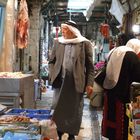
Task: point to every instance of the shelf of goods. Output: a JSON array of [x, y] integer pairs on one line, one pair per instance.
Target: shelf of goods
[[28, 124], [17, 90], [135, 104]]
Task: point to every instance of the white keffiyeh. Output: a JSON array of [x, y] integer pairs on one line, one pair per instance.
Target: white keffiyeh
[[79, 38]]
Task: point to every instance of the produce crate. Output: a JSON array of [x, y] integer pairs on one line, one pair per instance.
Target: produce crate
[[39, 114], [135, 102]]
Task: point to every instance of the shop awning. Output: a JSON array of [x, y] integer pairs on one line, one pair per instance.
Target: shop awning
[[82, 6]]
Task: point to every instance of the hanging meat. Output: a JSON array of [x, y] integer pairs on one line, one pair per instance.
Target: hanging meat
[[22, 25]]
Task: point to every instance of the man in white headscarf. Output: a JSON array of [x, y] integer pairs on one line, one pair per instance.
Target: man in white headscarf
[[123, 68], [72, 73]]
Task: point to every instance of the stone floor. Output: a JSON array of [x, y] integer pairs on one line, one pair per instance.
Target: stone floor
[[91, 120]]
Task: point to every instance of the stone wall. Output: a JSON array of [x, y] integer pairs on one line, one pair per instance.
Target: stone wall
[[32, 52], [7, 51]]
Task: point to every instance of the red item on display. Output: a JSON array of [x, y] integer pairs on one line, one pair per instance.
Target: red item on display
[[104, 29], [46, 138], [22, 25]]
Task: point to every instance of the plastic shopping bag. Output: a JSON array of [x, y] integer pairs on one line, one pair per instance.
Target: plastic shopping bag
[[48, 129]]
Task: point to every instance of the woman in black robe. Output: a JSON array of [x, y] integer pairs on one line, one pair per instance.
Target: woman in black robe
[[123, 68]]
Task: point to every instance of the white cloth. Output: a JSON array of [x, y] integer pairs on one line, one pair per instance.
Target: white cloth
[[117, 10], [115, 62], [79, 38], [74, 40], [134, 44]]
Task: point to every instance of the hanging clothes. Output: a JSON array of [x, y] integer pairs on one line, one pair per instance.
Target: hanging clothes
[[22, 25], [117, 10]]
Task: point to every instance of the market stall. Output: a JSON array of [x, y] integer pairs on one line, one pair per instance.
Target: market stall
[[25, 124], [134, 128], [17, 90]]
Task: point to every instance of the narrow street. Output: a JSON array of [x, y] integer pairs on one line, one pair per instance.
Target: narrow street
[[91, 122]]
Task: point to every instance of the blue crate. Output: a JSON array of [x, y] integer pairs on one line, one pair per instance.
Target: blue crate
[[39, 114], [44, 111], [15, 111], [32, 111], [20, 136]]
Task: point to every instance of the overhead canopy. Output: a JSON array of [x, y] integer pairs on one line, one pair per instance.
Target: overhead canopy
[[78, 5], [76, 10], [3, 2], [83, 6]]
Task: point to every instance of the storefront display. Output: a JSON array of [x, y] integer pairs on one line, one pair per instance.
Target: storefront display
[[135, 93], [17, 90], [33, 124]]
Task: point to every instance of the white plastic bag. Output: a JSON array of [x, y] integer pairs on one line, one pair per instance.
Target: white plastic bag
[[48, 129]]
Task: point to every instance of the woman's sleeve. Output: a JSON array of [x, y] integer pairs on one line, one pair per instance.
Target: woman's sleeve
[[135, 67]]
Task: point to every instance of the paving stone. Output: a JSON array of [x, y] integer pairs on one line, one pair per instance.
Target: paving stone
[[91, 120]]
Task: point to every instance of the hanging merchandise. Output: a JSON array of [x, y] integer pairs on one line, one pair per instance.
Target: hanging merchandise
[[117, 10], [104, 29], [22, 25]]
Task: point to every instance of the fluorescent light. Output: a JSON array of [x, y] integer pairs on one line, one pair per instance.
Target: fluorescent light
[[136, 28]]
